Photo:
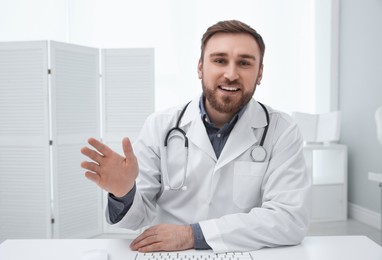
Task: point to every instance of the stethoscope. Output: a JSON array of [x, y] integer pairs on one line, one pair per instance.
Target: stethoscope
[[258, 153]]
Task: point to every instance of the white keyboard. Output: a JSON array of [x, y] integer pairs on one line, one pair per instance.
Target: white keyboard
[[194, 256]]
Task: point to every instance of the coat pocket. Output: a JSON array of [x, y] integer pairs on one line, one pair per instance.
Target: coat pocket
[[247, 181]]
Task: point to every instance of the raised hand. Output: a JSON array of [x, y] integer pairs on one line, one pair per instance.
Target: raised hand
[[109, 170]]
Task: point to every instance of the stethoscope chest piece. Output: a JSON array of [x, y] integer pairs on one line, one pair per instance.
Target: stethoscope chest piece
[[258, 154]]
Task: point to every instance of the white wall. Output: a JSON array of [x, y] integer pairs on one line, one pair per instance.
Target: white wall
[[22, 20], [326, 58], [175, 28], [360, 95]]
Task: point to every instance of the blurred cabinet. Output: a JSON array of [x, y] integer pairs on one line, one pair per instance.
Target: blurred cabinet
[[327, 164]]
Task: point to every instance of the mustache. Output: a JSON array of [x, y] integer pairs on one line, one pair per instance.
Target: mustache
[[229, 82]]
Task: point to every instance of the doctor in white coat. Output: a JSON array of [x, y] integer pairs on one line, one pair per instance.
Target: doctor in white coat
[[239, 184]]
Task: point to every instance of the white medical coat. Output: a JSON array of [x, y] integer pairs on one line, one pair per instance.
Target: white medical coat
[[240, 204]]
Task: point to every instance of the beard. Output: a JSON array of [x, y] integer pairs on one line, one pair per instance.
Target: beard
[[226, 104]]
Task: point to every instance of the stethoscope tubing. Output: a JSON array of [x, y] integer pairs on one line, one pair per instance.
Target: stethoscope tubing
[[259, 150]]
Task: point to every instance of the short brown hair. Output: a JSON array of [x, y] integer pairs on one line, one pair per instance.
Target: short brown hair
[[232, 26]]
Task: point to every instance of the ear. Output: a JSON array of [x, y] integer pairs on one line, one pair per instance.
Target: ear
[[260, 74], [200, 69]]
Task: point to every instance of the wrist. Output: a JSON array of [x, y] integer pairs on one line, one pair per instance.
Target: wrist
[[190, 241], [123, 192], [129, 195], [119, 195]]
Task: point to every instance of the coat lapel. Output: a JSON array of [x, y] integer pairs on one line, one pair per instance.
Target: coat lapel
[[240, 140], [196, 132], [242, 136]]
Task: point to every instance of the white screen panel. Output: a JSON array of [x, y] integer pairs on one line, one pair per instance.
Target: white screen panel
[[128, 87], [76, 117], [25, 206]]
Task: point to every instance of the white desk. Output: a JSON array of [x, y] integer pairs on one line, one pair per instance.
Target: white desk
[[311, 248]]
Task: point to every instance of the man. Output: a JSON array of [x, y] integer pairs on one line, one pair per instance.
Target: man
[[241, 184]]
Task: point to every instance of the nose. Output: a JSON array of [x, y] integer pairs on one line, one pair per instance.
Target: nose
[[231, 73]]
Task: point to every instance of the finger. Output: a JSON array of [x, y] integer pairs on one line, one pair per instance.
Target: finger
[[102, 148], [155, 247], [92, 176], [92, 154], [127, 149], [91, 166], [145, 242], [148, 232], [142, 236]]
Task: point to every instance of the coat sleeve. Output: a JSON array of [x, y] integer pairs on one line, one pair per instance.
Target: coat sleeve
[[283, 216]]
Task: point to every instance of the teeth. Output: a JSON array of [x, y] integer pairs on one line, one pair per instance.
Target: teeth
[[229, 88]]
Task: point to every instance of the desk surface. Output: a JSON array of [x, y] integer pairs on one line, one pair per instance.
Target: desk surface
[[311, 248]]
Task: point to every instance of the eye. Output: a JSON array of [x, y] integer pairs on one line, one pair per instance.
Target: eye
[[244, 63], [220, 61]]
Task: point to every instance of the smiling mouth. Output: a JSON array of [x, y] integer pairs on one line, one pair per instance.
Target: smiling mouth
[[229, 88]]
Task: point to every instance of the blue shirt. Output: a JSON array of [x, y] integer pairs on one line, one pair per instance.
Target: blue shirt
[[218, 136], [118, 207]]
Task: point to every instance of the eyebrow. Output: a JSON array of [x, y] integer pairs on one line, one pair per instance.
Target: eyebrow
[[222, 54]]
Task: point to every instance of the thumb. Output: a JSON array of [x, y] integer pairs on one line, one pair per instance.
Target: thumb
[[127, 148]]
